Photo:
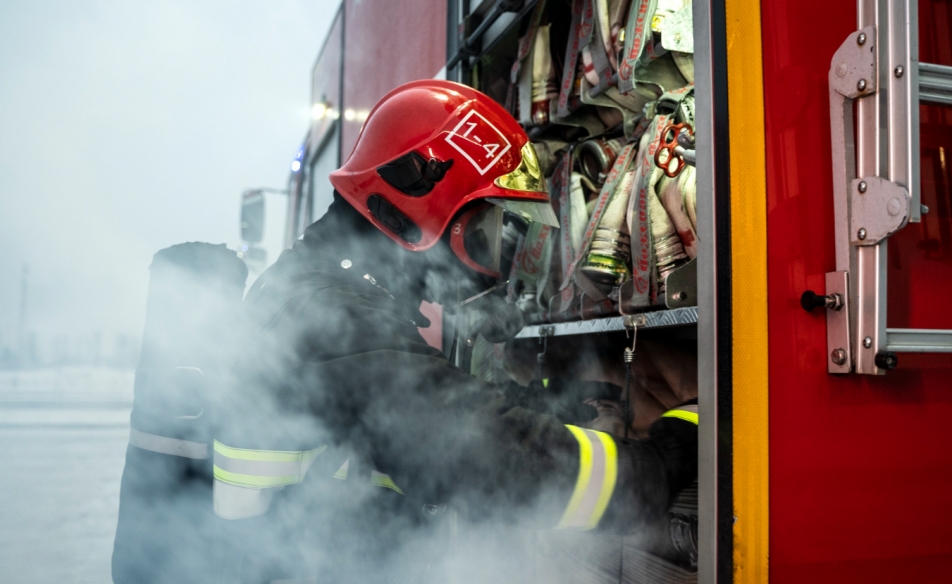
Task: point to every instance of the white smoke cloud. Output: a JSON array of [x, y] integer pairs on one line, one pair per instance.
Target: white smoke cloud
[[127, 127]]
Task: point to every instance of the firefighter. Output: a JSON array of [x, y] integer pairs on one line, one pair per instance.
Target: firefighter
[[342, 430]]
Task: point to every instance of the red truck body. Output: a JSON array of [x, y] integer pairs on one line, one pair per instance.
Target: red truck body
[[860, 466], [856, 469]]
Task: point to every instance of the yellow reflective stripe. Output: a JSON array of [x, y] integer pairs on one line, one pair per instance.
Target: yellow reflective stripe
[[681, 415], [584, 475], [379, 479], [259, 469], [597, 476], [341, 473], [253, 481], [611, 476], [267, 455]]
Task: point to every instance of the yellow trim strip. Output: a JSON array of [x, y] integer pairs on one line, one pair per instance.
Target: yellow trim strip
[[681, 415], [611, 476], [341, 473], [748, 220], [584, 475], [379, 479]]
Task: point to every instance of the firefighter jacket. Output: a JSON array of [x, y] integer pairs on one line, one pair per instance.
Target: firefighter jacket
[[341, 425]]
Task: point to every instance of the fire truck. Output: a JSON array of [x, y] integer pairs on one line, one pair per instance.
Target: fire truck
[[784, 236]]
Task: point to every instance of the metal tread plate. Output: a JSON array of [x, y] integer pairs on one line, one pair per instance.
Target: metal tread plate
[[656, 319]]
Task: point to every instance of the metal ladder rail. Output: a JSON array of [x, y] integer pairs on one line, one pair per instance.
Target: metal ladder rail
[[876, 183]]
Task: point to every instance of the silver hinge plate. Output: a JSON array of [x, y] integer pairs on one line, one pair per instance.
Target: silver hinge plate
[[853, 69], [839, 356], [878, 208]]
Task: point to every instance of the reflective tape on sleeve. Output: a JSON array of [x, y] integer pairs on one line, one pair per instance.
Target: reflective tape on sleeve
[[165, 445], [234, 502], [341, 473], [597, 474], [262, 468], [379, 479], [687, 413]]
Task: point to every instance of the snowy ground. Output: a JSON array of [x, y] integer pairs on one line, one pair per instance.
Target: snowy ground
[[63, 435]]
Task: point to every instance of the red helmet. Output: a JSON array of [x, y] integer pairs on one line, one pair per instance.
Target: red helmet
[[430, 148]]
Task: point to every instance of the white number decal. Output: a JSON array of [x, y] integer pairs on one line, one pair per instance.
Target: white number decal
[[476, 138]]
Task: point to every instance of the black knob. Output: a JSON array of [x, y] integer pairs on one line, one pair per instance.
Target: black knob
[[886, 360], [810, 300]]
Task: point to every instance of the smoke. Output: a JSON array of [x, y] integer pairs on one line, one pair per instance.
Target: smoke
[[128, 127], [124, 128], [325, 361], [344, 372]]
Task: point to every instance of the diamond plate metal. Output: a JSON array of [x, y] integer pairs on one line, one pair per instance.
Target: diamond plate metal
[[657, 319]]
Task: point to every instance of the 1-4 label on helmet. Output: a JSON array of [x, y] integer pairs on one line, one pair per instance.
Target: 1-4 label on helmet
[[480, 142]]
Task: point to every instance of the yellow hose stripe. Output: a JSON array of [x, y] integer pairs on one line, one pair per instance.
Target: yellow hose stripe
[[584, 475], [254, 481], [611, 476], [266, 455], [681, 415], [748, 219]]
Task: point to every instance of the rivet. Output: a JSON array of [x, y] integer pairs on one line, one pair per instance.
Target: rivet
[[862, 186], [861, 39], [838, 356], [861, 85], [894, 207], [861, 234], [868, 342], [898, 71]]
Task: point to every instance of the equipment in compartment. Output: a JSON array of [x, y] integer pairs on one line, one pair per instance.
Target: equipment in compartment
[[605, 90]]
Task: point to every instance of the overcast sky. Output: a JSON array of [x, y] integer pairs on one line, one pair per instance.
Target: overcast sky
[[129, 126]]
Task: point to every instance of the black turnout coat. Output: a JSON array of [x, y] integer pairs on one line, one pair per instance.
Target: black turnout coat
[[331, 359]]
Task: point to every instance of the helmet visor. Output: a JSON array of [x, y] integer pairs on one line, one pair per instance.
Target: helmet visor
[[538, 211], [527, 177], [476, 238]]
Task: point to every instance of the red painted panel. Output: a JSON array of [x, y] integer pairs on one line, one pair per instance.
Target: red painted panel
[[387, 43], [860, 467]]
